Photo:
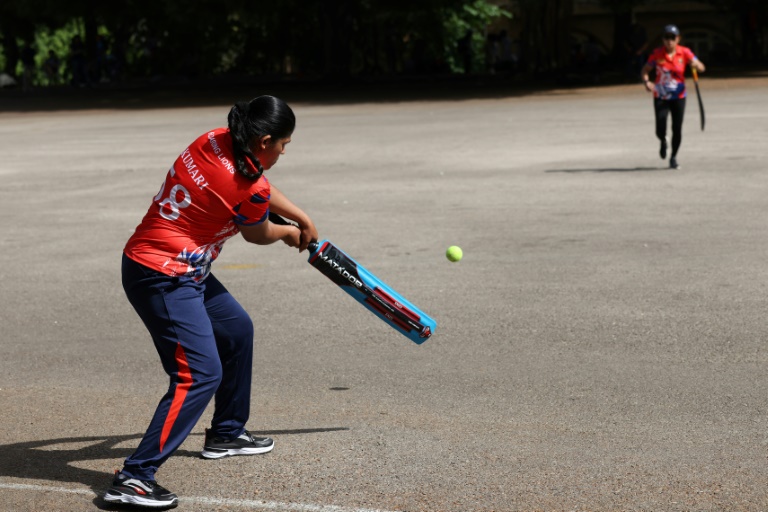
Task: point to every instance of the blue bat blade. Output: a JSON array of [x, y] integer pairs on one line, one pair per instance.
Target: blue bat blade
[[371, 292]]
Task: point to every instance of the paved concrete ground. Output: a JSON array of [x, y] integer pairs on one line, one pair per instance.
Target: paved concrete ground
[[600, 347]]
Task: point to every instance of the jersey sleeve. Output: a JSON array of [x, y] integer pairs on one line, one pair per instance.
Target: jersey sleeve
[[689, 56], [253, 210], [653, 57]]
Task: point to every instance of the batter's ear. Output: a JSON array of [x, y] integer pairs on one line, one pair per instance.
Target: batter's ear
[[264, 141]]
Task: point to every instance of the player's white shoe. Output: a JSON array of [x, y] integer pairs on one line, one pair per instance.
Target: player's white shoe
[[141, 493], [245, 444]]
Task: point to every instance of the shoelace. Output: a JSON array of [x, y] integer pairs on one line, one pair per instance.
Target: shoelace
[[151, 484], [131, 482], [248, 436]]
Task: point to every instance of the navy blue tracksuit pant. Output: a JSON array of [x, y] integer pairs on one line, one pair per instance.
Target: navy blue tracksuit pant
[[205, 342], [663, 109]]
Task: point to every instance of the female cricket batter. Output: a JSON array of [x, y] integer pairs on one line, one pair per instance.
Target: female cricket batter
[[669, 61], [213, 191]]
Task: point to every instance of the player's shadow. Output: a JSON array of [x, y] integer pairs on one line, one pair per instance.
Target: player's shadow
[[54, 459], [611, 169]]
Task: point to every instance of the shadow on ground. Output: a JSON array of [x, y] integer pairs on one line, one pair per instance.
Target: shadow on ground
[[167, 92], [52, 459], [173, 94], [612, 169]]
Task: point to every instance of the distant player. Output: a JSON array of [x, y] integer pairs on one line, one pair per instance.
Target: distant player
[[669, 62], [213, 191]]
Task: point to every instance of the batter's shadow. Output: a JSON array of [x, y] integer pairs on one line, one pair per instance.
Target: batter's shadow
[[53, 459], [612, 169]]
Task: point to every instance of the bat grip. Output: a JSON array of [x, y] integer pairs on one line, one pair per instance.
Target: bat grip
[[277, 219], [695, 74]]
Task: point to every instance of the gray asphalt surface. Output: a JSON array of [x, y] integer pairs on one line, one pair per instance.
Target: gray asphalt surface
[[601, 346]]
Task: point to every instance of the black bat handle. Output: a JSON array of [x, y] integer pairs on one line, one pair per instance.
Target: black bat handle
[[277, 219]]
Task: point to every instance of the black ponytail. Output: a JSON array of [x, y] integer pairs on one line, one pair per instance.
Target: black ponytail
[[265, 115]]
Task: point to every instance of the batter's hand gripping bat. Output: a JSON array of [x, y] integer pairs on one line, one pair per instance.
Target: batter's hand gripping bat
[[368, 289], [698, 96]]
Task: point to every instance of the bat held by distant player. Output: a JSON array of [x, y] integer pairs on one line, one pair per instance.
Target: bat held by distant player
[[368, 290], [698, 96]]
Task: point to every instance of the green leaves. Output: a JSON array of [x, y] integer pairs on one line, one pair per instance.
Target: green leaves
[[257, 37]]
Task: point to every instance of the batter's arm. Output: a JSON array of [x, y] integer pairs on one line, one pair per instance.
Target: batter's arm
[[266, 233], [698, 65], [281, 205], [644, 76]]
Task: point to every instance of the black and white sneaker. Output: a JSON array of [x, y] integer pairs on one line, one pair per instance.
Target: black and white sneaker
[[244, 444], [673, 163], [141, 493]]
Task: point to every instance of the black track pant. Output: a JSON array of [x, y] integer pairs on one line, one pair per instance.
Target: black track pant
[[663, 108]]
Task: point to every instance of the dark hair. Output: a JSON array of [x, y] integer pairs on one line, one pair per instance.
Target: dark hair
[[264, 115]]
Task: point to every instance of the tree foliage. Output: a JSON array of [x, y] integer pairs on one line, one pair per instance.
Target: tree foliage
[[307, 38], [206, 37]]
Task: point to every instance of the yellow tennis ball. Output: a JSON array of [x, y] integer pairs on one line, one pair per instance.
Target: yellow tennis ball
[[454, 253]]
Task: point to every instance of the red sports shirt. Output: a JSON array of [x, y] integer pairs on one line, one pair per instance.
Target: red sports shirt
[[670, 71], [198, 208]]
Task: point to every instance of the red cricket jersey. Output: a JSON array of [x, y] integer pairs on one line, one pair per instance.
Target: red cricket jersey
[[198, 208], [670, 71]]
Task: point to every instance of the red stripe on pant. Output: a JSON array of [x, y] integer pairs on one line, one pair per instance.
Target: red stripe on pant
[[180, 393]]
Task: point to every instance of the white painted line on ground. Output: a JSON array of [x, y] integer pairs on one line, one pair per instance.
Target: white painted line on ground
[[276, 505], [27, 487], [252, 504]]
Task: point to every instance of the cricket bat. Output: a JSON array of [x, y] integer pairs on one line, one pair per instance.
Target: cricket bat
[[698, 96], [368, 290]]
